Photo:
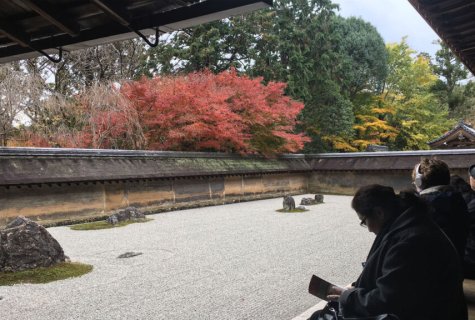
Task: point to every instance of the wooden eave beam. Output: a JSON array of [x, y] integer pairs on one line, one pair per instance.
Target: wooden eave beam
[[51, 15], [463, 26], [22, 40], [443, 30], [15, 36], [108, 30], [116, 12], [468, 48], [443, 6], [119, 14], [467, 28], [454, 9]]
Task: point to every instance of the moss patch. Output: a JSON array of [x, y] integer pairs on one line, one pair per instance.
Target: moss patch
[[98, 225], [44, 275], [292, 211]]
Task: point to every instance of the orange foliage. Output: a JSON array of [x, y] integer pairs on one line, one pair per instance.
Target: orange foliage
[[207, 112], [198, 112]]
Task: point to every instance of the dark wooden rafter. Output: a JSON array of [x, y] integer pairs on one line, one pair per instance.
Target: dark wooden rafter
[[120, 15], [15, 35], [468, 48], [52, 15], [27, 26], [454, 22], [14, 32], [454, 9], [111, 8]]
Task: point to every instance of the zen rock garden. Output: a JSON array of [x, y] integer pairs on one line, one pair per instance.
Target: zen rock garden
[[24, 244]]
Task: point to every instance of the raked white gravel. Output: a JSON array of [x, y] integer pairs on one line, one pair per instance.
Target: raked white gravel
[[237, 261]]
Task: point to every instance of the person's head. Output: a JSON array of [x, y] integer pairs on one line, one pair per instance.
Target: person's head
[[471, 174], [376, 205], [429, 173], [459, 184]]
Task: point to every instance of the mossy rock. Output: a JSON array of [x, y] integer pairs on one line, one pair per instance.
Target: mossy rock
[[57, 272]]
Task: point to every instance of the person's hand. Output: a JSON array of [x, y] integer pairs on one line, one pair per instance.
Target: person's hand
[[335, 292], [349, 286]]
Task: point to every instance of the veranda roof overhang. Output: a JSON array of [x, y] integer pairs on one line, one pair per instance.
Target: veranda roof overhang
[[454, 22], [30, 28]]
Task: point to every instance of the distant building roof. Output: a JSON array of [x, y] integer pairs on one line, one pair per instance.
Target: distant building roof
[[462, 136]]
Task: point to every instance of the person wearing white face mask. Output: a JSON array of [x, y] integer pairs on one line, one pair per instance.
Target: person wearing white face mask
[[448, 209]]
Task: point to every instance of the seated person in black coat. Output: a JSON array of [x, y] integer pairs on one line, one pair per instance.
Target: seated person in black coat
[[447, 206], [412, 269], [459, 184], [469, 259]]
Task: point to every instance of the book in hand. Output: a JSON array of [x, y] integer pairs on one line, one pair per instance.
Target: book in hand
[[319, 287]]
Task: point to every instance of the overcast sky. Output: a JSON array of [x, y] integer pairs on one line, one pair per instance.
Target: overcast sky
[[394, 19]]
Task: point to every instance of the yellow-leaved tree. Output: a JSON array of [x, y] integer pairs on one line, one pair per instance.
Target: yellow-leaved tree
[[419, 116], [406, 114]]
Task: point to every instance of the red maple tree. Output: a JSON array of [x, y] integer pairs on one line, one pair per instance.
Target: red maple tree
[[207, 112], [201, 111]]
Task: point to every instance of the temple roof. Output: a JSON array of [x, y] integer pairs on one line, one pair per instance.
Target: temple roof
[[30, 28], [461, 136], [454, 22]]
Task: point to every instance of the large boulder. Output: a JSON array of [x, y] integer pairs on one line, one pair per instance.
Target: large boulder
[[129, 213], [24, 244], [319, 198], [288, 203]]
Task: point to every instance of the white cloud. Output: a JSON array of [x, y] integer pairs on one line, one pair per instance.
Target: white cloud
[[394, 19]]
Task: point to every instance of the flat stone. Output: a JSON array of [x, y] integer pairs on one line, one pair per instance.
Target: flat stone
[[308, 201], [129, 255]]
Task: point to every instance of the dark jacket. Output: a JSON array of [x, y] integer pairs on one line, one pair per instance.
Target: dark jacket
[[468, 196], [449, 212], [412, 271], [469, 264]]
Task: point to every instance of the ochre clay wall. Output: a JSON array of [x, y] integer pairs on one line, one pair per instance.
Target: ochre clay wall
[[58, 186], [72, 202], [346, 183]]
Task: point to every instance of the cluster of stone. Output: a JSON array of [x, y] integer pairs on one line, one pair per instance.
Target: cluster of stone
[[128, 214], [24, 244], [309, 201]]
